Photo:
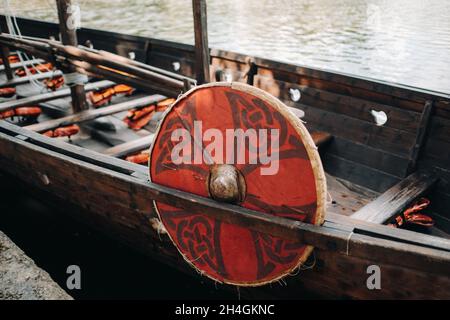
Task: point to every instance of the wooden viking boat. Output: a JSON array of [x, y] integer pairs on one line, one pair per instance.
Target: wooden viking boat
[[365, 190]]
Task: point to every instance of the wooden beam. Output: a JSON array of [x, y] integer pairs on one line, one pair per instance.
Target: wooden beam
[[69, 37], [202, 58], [24, 64], [21, 80], [146, 86], [400, 235], [396, 199], [129, 147], [143, 65], [92, 114], [51, 96], [420, 136], [115, 63], [4, 52]]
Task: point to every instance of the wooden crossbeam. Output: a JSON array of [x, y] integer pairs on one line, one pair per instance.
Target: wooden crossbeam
[[26, 63], [126, 148], [396, 199], [92, 114], [420, 136], [400, 235], [21, 80], [4, 53], [51, 96]]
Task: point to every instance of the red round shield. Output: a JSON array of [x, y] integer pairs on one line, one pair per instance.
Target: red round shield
[[251, 130]]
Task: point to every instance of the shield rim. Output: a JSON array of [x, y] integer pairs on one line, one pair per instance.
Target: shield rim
[[311, 149]]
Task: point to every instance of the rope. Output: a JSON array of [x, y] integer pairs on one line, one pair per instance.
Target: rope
[[75, 78], [348, 241], [14, 30]]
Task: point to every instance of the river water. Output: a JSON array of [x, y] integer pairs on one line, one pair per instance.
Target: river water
[[404, 41]]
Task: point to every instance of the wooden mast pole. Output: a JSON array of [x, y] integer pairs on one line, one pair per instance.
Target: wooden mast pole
[[69, 37], [4, 52], [201, 41]]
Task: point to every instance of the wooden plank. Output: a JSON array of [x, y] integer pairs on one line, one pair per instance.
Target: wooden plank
[[51, 95], [420, 136], [368, 156], [202, 58], [400, 235], [383, 91], [396, 199], [69, 37], [436, 152], [126, 148], [383, 138], [92, 114], [358, 173], [342, 277], [345, 104], [147, 86], [26, 63], [21, 80], [439, 129], [116, 62]]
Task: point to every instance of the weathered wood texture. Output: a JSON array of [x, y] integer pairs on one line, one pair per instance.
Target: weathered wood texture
[[92, 114], [397, 198], [68, 33], [202, 58], [4, 54], [21, 80], [51, 96], [127, 148], [20, 64], [420, 136]]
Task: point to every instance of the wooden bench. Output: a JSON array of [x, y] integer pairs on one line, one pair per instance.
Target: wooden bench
[[397, 198]]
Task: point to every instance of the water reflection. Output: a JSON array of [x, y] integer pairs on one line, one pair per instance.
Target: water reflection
[[406, 41]]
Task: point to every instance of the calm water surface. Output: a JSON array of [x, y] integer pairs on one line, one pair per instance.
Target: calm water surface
[[406, 41]]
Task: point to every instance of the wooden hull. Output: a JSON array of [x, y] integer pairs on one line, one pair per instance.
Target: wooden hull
[[116, 197]]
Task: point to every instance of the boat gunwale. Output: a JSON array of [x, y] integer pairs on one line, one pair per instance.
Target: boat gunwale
[[335, 239]]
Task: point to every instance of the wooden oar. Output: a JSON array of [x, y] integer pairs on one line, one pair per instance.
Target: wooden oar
[[92, 114], [51, 96], [24, 64], [40, 76]]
